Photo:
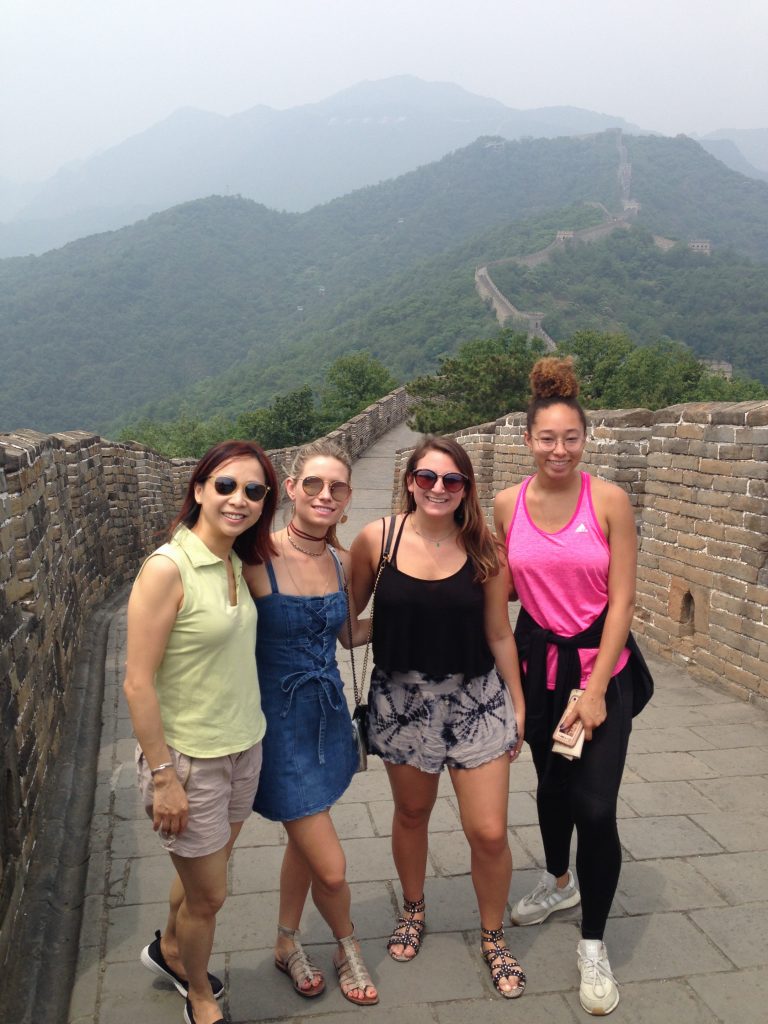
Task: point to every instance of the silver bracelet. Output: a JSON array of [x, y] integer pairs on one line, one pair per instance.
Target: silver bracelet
[[161, 768]]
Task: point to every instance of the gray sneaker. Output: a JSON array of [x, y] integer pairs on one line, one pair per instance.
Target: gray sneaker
[[545, 899], [598, 992]]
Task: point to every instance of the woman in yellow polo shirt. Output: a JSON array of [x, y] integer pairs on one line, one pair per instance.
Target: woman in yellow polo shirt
[[193, 696]]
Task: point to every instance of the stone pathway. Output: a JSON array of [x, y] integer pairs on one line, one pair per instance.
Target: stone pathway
[[688, 931]]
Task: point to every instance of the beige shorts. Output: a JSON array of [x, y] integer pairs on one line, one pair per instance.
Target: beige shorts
[[220, 791]]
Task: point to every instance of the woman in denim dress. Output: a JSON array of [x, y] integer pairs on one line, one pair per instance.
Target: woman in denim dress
[[309, 754]]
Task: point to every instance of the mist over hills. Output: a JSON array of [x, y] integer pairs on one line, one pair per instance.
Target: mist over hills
[[221, 302], [293, 159]]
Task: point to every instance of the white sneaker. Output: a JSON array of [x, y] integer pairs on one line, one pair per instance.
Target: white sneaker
[[598, 992], [545, 899]]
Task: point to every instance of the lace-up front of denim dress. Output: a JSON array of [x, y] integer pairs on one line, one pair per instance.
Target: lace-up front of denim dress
[[309, 755]]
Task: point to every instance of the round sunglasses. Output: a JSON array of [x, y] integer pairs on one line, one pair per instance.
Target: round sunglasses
[[313, 485], [254, 492], [452, 482]]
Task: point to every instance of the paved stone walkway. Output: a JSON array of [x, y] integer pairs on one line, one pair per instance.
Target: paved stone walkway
[[688, 931]]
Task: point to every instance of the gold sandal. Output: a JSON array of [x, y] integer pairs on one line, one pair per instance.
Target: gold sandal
[[408, 932], [353, 974], [299, 967]]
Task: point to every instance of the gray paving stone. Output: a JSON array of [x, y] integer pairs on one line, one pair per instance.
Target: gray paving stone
[[522, 809], [741, 932], [726, 737], [443, 972], [140, 880], [650, 798], [370, 785], [657, 1002], [135, 838], [660, 946], [671, 739], [648, 887], [373, 906], [257, 831], [128, 985], [740, 997], [256, 868], [246, 921], [735, 795], [672, 766], [744, 761], [688, 693], [735, 832], [547, 1009], [352, 821], [736, 711], [738, 876], [673, 836], [369, 859], [522, 777]]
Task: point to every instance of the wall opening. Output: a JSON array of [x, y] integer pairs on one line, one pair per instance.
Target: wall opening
[[687, 614]]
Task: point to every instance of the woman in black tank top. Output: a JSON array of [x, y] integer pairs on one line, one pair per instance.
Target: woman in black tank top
[[440, 622]]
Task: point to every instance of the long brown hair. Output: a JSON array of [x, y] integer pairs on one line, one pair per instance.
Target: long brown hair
[[255, 545], [473, 531], [321, 449]]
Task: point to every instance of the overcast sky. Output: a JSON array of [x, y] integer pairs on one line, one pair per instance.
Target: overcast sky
[[77, 76]]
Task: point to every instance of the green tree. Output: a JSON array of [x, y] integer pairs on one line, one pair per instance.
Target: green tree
[[352, 383], [486, 378], [289, 419]]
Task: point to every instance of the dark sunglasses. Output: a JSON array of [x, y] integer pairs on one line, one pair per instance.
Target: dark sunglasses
[[313, 485], [452, 482], [254, 492]]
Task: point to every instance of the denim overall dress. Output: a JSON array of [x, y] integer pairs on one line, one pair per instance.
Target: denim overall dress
[[309, 755]]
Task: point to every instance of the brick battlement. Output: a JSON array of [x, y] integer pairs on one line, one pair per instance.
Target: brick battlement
[[78, 513], [697, 476]]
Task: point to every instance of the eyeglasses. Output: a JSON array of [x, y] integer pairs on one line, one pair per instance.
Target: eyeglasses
[[253, 491], [313, 485], [452, 482], [571, 443]]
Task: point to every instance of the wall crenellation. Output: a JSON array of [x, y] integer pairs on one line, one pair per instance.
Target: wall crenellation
[[697, 477], [77, 515]]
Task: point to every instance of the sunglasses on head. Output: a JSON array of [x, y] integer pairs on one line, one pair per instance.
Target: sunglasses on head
[[313, 485], [254, 492], [427, 478]]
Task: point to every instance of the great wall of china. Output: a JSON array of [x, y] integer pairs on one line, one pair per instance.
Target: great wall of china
[[77, 514]]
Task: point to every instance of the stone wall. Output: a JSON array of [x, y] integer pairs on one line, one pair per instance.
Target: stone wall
[[77, 515], [697, 477]]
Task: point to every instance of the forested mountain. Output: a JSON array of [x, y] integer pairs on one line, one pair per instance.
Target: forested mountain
[[193, 291], [221, 302], [717, 305], [291, 159]]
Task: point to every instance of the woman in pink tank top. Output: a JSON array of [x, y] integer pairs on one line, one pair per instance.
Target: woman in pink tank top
[[572, 550]]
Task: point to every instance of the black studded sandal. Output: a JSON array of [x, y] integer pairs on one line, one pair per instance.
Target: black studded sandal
[[502, 964], [408, 931]]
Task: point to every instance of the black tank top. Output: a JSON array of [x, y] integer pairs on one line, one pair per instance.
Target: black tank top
[[432, 626]]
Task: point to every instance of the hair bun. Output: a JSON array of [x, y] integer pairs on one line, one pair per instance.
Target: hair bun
[[554, 377]]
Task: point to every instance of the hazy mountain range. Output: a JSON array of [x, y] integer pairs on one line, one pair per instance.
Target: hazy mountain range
[[220, 303], [287, 160]]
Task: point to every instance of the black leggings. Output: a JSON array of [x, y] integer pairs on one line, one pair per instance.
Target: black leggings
[[584, 793]]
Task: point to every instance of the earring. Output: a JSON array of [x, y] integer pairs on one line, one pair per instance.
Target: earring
[[344, 518]]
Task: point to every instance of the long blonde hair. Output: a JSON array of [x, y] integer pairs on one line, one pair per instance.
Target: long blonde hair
[[474, 533], [325, 449]]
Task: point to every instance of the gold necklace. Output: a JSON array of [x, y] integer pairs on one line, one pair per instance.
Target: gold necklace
[[432, 540], [298, 547], [287, 561]]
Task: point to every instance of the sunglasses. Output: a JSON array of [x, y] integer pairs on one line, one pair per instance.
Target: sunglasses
[[313, 485], [452, 482], [254, 492]]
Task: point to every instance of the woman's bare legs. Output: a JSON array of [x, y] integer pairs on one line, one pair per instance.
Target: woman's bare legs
[[204, 884], [482, 794], [314, 840], [295, 882], [414, 793]]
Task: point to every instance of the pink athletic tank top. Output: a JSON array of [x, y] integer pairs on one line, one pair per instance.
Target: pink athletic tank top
[[561, 578]]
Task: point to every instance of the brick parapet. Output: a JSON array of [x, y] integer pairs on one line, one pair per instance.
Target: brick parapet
[[697, 478], [77, 515]]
